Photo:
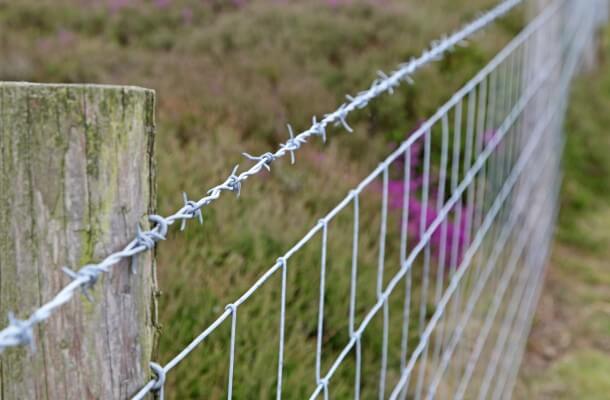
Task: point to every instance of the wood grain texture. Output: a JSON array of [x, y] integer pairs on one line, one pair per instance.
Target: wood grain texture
[[76, 176]]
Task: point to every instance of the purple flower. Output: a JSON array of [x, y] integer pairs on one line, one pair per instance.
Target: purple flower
[[163, 3], [65, 37], [187, 16], [396, 191], [456, 236], [336, 3], [117, 5]]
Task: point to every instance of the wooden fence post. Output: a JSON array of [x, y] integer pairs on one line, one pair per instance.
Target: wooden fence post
[[76, 176]]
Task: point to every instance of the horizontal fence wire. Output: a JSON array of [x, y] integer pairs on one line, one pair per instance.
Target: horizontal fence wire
[[476, 216], [21, 331]]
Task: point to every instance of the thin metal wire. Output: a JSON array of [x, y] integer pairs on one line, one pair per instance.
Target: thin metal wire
[[440, 273], [321, 302], [380, 271], [233, 309], [353, 289], [358, 368], [404, 341], [426, 269], [280, 362]]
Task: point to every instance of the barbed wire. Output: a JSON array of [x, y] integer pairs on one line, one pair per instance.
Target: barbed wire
[[20, 332]]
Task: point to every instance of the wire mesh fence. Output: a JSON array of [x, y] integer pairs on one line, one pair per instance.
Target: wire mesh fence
[[466, 210], [440, 304]]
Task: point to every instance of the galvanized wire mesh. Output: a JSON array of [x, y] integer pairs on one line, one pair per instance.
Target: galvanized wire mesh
[[477, 206], [472, 194]]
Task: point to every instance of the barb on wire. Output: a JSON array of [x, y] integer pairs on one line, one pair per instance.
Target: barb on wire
[[264, 160], [192, 209], [148, 238], [19, 332], [319, 129], [89, 274], [292, 144], [24, 334]]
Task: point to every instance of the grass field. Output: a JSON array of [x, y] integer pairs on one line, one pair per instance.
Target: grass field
[[229, 76]]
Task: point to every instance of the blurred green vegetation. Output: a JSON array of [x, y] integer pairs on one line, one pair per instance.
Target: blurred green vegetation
[[587, 160], [229, 76]]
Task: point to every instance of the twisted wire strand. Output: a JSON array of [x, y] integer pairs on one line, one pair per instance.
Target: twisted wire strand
[[20, 332]]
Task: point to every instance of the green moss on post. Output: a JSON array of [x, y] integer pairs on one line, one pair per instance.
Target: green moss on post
[[76, 176]]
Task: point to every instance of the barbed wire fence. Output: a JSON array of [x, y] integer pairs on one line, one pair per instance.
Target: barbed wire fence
[[508, 191], [475, 251]]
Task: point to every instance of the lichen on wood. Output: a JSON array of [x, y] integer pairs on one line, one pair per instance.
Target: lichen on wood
[[76, 176]]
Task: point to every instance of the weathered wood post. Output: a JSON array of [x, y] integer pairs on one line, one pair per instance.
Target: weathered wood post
[[76, 176]]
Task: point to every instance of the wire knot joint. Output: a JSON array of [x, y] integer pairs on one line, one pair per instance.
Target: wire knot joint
[[159, 379], [191, 209], [89, 275], [24, 334]]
